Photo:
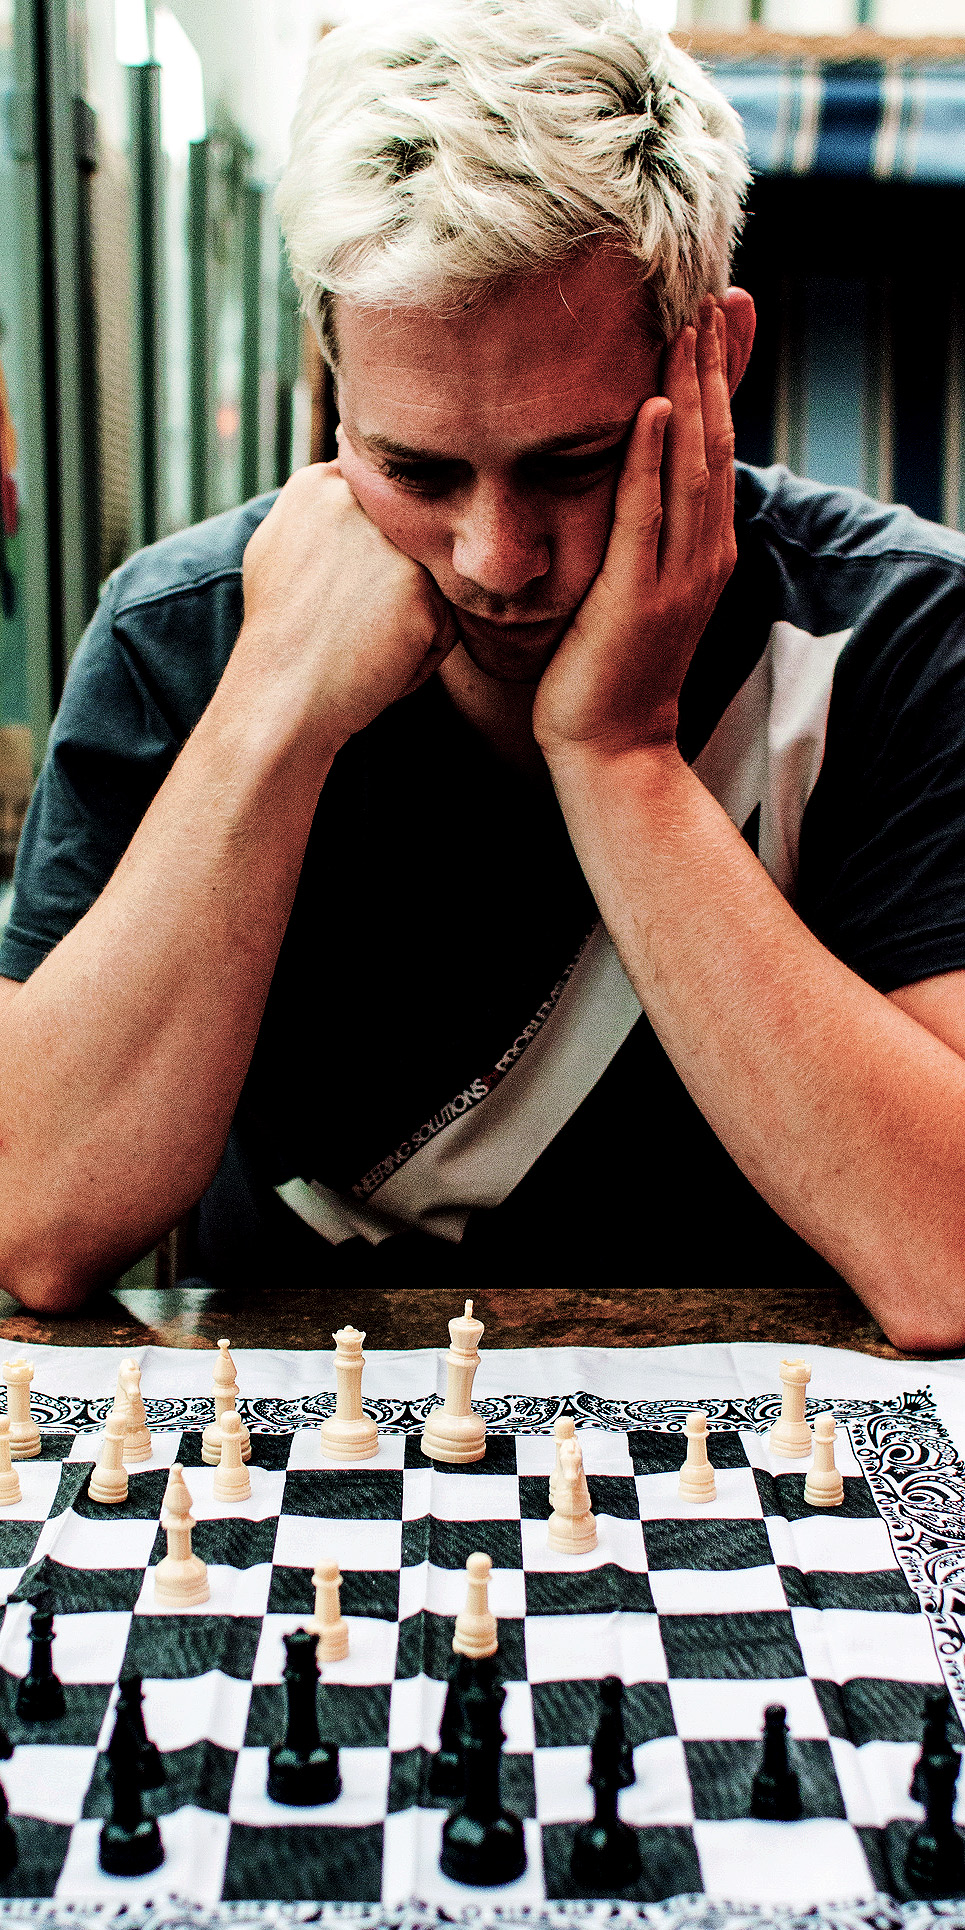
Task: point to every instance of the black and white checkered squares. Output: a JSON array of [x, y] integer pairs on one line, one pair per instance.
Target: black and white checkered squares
[[706, 1612]]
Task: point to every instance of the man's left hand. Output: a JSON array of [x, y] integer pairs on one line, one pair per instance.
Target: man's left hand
[[614, 681]]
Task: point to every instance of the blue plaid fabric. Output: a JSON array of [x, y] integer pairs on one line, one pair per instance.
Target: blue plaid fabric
[[862, 118]]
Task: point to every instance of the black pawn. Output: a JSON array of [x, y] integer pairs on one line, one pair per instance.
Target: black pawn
[[40, 1696], [8, 1840], [130, 1842], [445, 1769], [935, 1858], [606, 1852], [934, 1738], [130, 1699], [775, 1793], [482, 1843], [303, 1771]]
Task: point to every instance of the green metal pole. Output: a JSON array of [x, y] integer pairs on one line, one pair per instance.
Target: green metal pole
[[252, 207], [199, 170], [148, 280], [66, 452], [36, 533]]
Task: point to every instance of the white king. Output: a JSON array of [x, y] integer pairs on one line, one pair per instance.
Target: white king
[[455, 1432]]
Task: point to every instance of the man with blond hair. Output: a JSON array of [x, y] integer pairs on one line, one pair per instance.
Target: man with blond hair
[[530, 844]]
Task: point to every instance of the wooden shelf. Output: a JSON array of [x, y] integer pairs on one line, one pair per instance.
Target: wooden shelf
[[863, 43]]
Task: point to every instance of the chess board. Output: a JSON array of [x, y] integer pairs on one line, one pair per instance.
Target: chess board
[[707, 1613]]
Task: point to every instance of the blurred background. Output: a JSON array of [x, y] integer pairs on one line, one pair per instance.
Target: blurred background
[[153, 365]]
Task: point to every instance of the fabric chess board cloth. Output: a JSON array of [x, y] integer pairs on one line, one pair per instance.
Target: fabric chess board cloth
[[708, 1613]]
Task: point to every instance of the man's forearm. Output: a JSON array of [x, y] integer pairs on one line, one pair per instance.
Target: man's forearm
[[122, 1057], [847, 1115]]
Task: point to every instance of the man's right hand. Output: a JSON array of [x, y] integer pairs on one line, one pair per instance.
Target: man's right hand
[[346, 621]]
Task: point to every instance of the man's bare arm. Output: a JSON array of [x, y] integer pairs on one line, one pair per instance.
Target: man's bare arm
[[122, 1057], [846, 1112]]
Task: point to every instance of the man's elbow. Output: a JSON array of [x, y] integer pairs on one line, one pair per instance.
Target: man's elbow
[[43, 1273], [920, 1303]]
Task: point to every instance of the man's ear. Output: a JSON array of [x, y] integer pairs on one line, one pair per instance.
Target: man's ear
[[741, 319]]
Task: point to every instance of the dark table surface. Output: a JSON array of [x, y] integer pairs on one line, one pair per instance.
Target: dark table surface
[[194, 1316]]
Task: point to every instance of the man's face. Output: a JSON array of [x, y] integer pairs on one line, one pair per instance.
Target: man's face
[[487, 446]]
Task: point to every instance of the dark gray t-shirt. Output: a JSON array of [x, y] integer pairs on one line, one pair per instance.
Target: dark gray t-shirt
[[452, 1072]]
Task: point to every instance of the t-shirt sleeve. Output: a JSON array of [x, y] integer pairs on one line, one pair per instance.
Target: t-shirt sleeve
[[882, 855], [110, 749]]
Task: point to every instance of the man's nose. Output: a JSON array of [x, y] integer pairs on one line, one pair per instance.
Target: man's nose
[[496, 544]]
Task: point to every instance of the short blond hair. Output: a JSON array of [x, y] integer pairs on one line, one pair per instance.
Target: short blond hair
[[451, 144]]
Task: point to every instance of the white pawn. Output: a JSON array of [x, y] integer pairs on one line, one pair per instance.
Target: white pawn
[[108, 1481], [24, 1432], [224, 1387], [349, 1433], [9, 1478], [697, 1481], [328, 1622], [137, 1440], [564, 1430], [455, 1432], [572, 1526], [476, 1633], [824, 1484], [790, 1436], [180, 1578], [232, 1482]]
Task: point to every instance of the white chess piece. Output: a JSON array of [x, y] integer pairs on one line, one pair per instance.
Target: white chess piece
[[231, 1482], [572, 1526], [10, 1491], [824, 1484], [224, 1387], [349, 1433], [476, 1633], [790, 1436], [137, 1439], [328, 1622], [180, 1578], [24, 1432], [108, 1481], [455, 1432], [564, 1429], [697, 1482]]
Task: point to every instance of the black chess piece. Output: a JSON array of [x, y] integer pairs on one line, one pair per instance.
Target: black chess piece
[[130, 1842], [482, 1843], [935, 1858], [40, 1696], [130, 1698], [303, 1771], [445, 1769], [934, 1738], [606, 1852], [775, 1792], [8, 1840]]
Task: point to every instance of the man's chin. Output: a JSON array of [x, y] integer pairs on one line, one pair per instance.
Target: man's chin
[[510, 653]]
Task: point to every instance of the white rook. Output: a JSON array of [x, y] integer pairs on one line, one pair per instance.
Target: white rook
[[697, 1481], [24, 1432], [455, 1432], [349, 1433], [824, 1485], [790, 1436]]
